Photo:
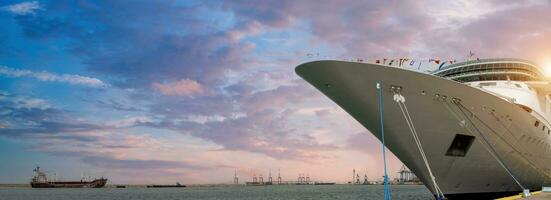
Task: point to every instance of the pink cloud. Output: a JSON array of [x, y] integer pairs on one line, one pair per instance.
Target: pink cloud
[[184, 87], [247, 29]]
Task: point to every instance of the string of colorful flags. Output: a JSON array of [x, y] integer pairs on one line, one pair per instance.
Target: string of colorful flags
[[411, 62], [400, 62]]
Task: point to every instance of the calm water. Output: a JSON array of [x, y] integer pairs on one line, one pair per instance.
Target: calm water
[[345, 192]]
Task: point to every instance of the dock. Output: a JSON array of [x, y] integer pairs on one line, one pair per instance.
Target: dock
[[539, 195], [542, 195]]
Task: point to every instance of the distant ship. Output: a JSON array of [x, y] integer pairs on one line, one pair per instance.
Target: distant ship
[[483, 125], [324, 183], [40, 180], [166, 186]]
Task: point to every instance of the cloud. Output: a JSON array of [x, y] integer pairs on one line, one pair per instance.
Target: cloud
[[24, 8], [364, 142], [184, 87], [116, 105], [262, 125], [34, 118], [189, 56], [136, 164], [174, 44], [31, 103], [54, 131], [360, 28], [131, 121], [499, 34], [322, 112], [53, 77], [397, 28]]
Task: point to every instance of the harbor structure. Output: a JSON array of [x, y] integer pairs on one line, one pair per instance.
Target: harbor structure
[[353, 176], [302, 179], [235, 178], [278, 177], [406, 176], [257, 180], [269, 177]]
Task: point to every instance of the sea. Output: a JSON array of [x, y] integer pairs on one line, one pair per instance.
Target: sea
[[276, 192]]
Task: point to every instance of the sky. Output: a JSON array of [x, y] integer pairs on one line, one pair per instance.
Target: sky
[[146, 92]]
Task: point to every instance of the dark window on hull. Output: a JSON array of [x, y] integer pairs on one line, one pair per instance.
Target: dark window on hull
[[460, 145]]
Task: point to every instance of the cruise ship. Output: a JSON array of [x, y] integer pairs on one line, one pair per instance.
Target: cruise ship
[[477, 129]]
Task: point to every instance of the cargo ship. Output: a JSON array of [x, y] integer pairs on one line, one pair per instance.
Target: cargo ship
[[40, 180]]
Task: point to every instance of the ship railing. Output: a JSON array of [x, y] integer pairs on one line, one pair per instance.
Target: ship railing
[[491, 72], [480, 61]]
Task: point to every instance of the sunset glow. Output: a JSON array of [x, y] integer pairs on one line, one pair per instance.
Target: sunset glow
[[547, 68]]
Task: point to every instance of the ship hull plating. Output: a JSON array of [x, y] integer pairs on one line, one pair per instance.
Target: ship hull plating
[[509, 129]]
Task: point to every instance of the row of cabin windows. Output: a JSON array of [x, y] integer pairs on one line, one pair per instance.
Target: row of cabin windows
[[508, 70], [495, 77], [479, 68], [486, 84], [489, 66], [543, 128]]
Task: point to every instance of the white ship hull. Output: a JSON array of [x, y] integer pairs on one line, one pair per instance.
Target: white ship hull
[[522, 147]]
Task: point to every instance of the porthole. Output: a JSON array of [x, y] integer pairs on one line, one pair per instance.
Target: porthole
[[537, 124]]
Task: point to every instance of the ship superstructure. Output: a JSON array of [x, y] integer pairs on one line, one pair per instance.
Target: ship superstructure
[[482, 125]]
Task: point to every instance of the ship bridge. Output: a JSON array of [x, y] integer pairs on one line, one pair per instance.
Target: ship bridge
[[492, 70]]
